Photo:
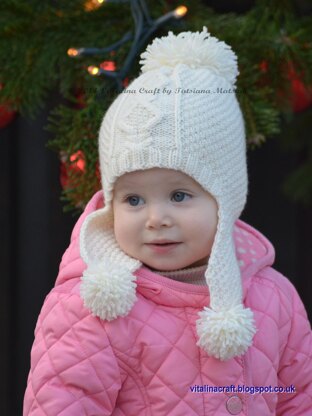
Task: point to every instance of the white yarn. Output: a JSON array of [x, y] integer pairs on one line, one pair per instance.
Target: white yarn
[[199, 133], [108, 290], [195, 49], [225, 334]]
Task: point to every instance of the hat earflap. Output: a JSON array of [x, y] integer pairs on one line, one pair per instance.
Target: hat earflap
[[225, 328], [108, 286]]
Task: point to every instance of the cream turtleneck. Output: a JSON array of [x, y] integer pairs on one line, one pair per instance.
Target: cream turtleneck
[[192, 275]]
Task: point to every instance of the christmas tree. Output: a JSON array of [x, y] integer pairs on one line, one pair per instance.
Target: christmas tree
[[89, 51]]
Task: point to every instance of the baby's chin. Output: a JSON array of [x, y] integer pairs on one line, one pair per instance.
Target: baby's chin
[[176, 267], [157, 265]]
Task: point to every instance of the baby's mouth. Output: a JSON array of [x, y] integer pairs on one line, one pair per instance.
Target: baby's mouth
[[163, 244]]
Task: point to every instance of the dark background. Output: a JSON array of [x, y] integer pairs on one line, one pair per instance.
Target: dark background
[[34, 232]]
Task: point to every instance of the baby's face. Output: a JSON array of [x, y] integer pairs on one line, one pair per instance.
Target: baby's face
[[164, 204]]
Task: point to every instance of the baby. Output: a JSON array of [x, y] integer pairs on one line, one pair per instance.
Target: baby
[[166, 303]]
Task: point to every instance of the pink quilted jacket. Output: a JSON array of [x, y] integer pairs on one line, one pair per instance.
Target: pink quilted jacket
[[148, 364]]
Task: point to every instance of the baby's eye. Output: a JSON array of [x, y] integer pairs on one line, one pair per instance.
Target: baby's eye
[[180, 193], [131, 198]]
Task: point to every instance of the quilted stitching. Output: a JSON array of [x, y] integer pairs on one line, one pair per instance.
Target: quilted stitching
[[144, 364], [80, 360]]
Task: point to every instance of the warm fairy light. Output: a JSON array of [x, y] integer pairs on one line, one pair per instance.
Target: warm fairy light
[[93, 70], [77, 160], [92, 4], [108, 65], [180, 11], [72, 52]]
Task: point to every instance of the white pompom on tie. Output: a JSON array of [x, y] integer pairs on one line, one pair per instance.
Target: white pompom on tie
[[195, 49], [108, 290], [227, 333]]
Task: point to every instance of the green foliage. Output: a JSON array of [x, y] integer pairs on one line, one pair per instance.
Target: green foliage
[[35, 37]]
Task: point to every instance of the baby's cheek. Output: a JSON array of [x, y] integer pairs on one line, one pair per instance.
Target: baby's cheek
[[118, 226], [124, 230]]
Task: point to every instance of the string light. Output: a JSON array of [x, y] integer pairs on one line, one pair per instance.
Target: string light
[[92, 4], [176, 14], [180, 12], [78, 161], [108, 65], [145, 26], [72, 52], [93, 70]]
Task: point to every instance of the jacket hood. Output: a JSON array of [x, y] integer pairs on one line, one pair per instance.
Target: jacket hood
[[253, 250]]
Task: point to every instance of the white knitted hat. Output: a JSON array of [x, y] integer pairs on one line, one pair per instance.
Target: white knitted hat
[[198, 129]]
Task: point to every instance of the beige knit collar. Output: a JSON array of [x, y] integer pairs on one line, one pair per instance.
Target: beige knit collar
[[191, 275]]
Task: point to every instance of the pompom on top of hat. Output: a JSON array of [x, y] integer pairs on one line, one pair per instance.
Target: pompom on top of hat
[[195, 49]]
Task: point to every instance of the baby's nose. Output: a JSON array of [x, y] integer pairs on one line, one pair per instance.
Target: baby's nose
[[158, 217]]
